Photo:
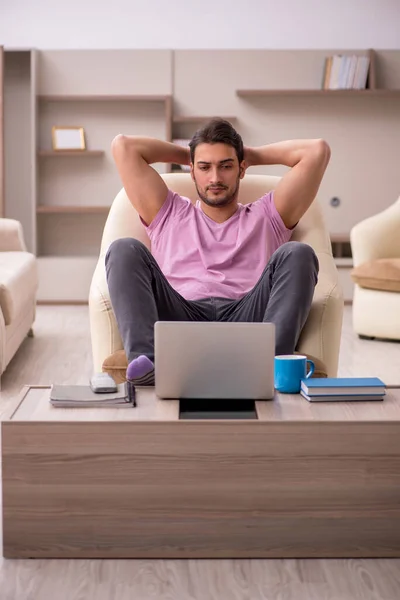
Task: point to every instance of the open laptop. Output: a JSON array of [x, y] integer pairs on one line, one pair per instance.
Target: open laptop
[[212, 360]]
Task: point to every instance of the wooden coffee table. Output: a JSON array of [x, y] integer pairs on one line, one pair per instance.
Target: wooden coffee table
[[301, 480]]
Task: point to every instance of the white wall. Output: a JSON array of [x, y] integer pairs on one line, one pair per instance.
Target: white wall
[[176, 24]]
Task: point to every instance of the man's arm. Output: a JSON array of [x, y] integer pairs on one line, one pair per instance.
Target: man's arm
[[297, 189], [144, 187]]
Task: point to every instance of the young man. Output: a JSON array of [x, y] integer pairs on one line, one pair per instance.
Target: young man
[[217, 260]]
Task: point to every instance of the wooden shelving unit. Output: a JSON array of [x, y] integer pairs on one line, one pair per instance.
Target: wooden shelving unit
[[59, 210], [61, 199], [104, 97], [76, 186], [197, 119], [344, 262], [340, 237], [317, 92], [64, 197], [371, 88], [69, 153], [340, 245]]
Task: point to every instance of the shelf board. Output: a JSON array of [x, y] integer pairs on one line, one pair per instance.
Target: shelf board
[[52, 209], [105, 97], [344, 262], [51, 153], [340, 237], [197, 119], [317, 92], [177, 169]]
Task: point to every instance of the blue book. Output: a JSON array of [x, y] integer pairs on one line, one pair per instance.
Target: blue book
[[343, 397], [337, 386]]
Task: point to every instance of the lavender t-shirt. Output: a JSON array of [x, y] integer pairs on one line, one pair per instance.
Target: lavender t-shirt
[[201, 258]]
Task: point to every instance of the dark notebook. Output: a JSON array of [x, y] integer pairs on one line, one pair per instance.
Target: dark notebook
[[76, 396]]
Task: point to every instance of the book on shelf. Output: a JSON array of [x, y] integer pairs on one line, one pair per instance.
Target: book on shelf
[[81, 396], [344, 72], [366, 387]]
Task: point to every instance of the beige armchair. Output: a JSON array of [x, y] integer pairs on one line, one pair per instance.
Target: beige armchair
[[18, 287], [375, 245], [320, 338]]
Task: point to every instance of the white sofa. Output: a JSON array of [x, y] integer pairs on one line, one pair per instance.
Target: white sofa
[[375, 246], [320, 338], [18, 287]]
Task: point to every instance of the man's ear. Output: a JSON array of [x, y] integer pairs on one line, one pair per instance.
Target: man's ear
[[242, 169], [191, 171]]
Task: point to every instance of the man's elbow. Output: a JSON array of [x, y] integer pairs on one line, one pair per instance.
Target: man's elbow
[[117, 146], [124, 147], [322, 151], [118, 143]]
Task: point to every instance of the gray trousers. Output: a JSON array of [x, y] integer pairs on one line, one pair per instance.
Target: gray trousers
[[141, 295]]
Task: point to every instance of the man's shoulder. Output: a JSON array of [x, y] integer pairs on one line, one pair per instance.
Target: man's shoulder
[[261, 203], [179, 204], [171, 211]]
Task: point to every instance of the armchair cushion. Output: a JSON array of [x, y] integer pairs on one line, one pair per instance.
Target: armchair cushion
[[382, 274], [18, 281]]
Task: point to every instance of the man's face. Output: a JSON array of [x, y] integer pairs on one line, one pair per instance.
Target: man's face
[[216, 173]]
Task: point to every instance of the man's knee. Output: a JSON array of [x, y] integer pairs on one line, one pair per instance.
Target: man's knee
[[299, 254], [125, 249]]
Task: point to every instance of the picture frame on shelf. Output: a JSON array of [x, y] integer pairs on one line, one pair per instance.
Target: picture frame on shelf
[[68, 138]]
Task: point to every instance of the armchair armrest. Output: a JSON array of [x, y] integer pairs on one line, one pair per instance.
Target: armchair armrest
[[11, 236], [321, 335], [103, 325], [377, 237]]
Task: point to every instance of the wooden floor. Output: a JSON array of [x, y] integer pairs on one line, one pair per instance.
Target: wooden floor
[[60, 352]]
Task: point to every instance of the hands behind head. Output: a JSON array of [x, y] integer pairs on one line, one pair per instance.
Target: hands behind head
[[248, 157]]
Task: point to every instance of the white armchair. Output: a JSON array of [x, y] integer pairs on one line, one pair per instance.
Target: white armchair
[[375, 245], [320, 338], [18, 287]]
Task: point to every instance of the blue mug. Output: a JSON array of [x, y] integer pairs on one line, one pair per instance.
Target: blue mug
[[290, 369]]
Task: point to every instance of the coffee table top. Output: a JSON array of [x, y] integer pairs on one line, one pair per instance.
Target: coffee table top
[[33, 405]]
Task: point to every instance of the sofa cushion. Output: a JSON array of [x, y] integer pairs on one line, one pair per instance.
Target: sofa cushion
[[18, 282], [382, 274]]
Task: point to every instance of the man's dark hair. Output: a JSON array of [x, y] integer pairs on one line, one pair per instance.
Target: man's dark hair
[[217, 131]]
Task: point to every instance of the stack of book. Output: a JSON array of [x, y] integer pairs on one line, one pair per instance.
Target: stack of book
[[346, 72], [343, 389], [81, 396]]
